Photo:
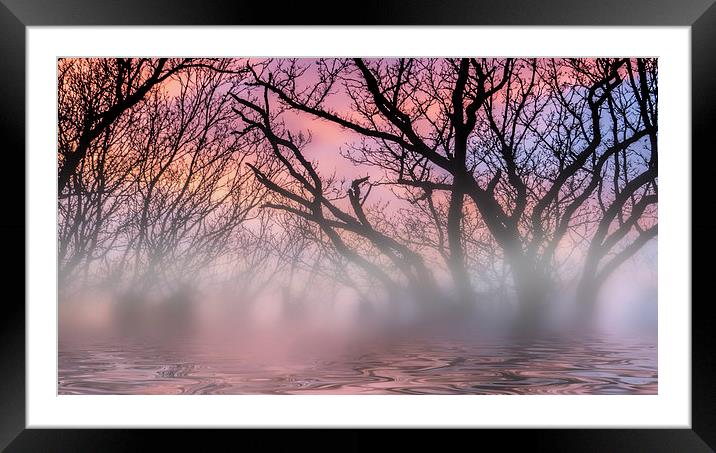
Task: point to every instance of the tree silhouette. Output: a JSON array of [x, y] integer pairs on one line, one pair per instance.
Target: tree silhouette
[[514, 178], [529, 142]]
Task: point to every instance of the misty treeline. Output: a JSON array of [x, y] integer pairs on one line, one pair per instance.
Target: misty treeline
[[473, 183]]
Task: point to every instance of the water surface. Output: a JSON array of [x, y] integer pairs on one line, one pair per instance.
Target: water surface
[[594, 366]]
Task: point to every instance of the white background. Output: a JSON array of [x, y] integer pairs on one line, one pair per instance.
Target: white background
[[670, 408]]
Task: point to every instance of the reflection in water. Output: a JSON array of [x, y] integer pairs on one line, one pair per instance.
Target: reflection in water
[[597, 366]]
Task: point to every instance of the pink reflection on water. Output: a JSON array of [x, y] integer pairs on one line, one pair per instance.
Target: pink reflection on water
[[418, 366]]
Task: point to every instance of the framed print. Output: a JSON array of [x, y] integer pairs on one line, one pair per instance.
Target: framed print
[[430, 221]]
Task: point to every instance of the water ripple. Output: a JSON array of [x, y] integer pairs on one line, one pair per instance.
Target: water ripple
[[596, 366]]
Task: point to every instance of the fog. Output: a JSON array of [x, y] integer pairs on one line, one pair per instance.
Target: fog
[[323, 322]]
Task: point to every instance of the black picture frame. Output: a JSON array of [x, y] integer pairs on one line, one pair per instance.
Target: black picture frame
[[16, 15]]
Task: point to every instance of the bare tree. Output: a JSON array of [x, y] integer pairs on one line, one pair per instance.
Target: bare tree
[[628, 217], [165, 187], [304, 193], [525, 140], [94, 93], [473, 178]]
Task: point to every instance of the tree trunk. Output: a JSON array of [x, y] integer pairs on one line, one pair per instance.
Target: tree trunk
[[533, 289], [587, 292], [588, 287], [458, 270]]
